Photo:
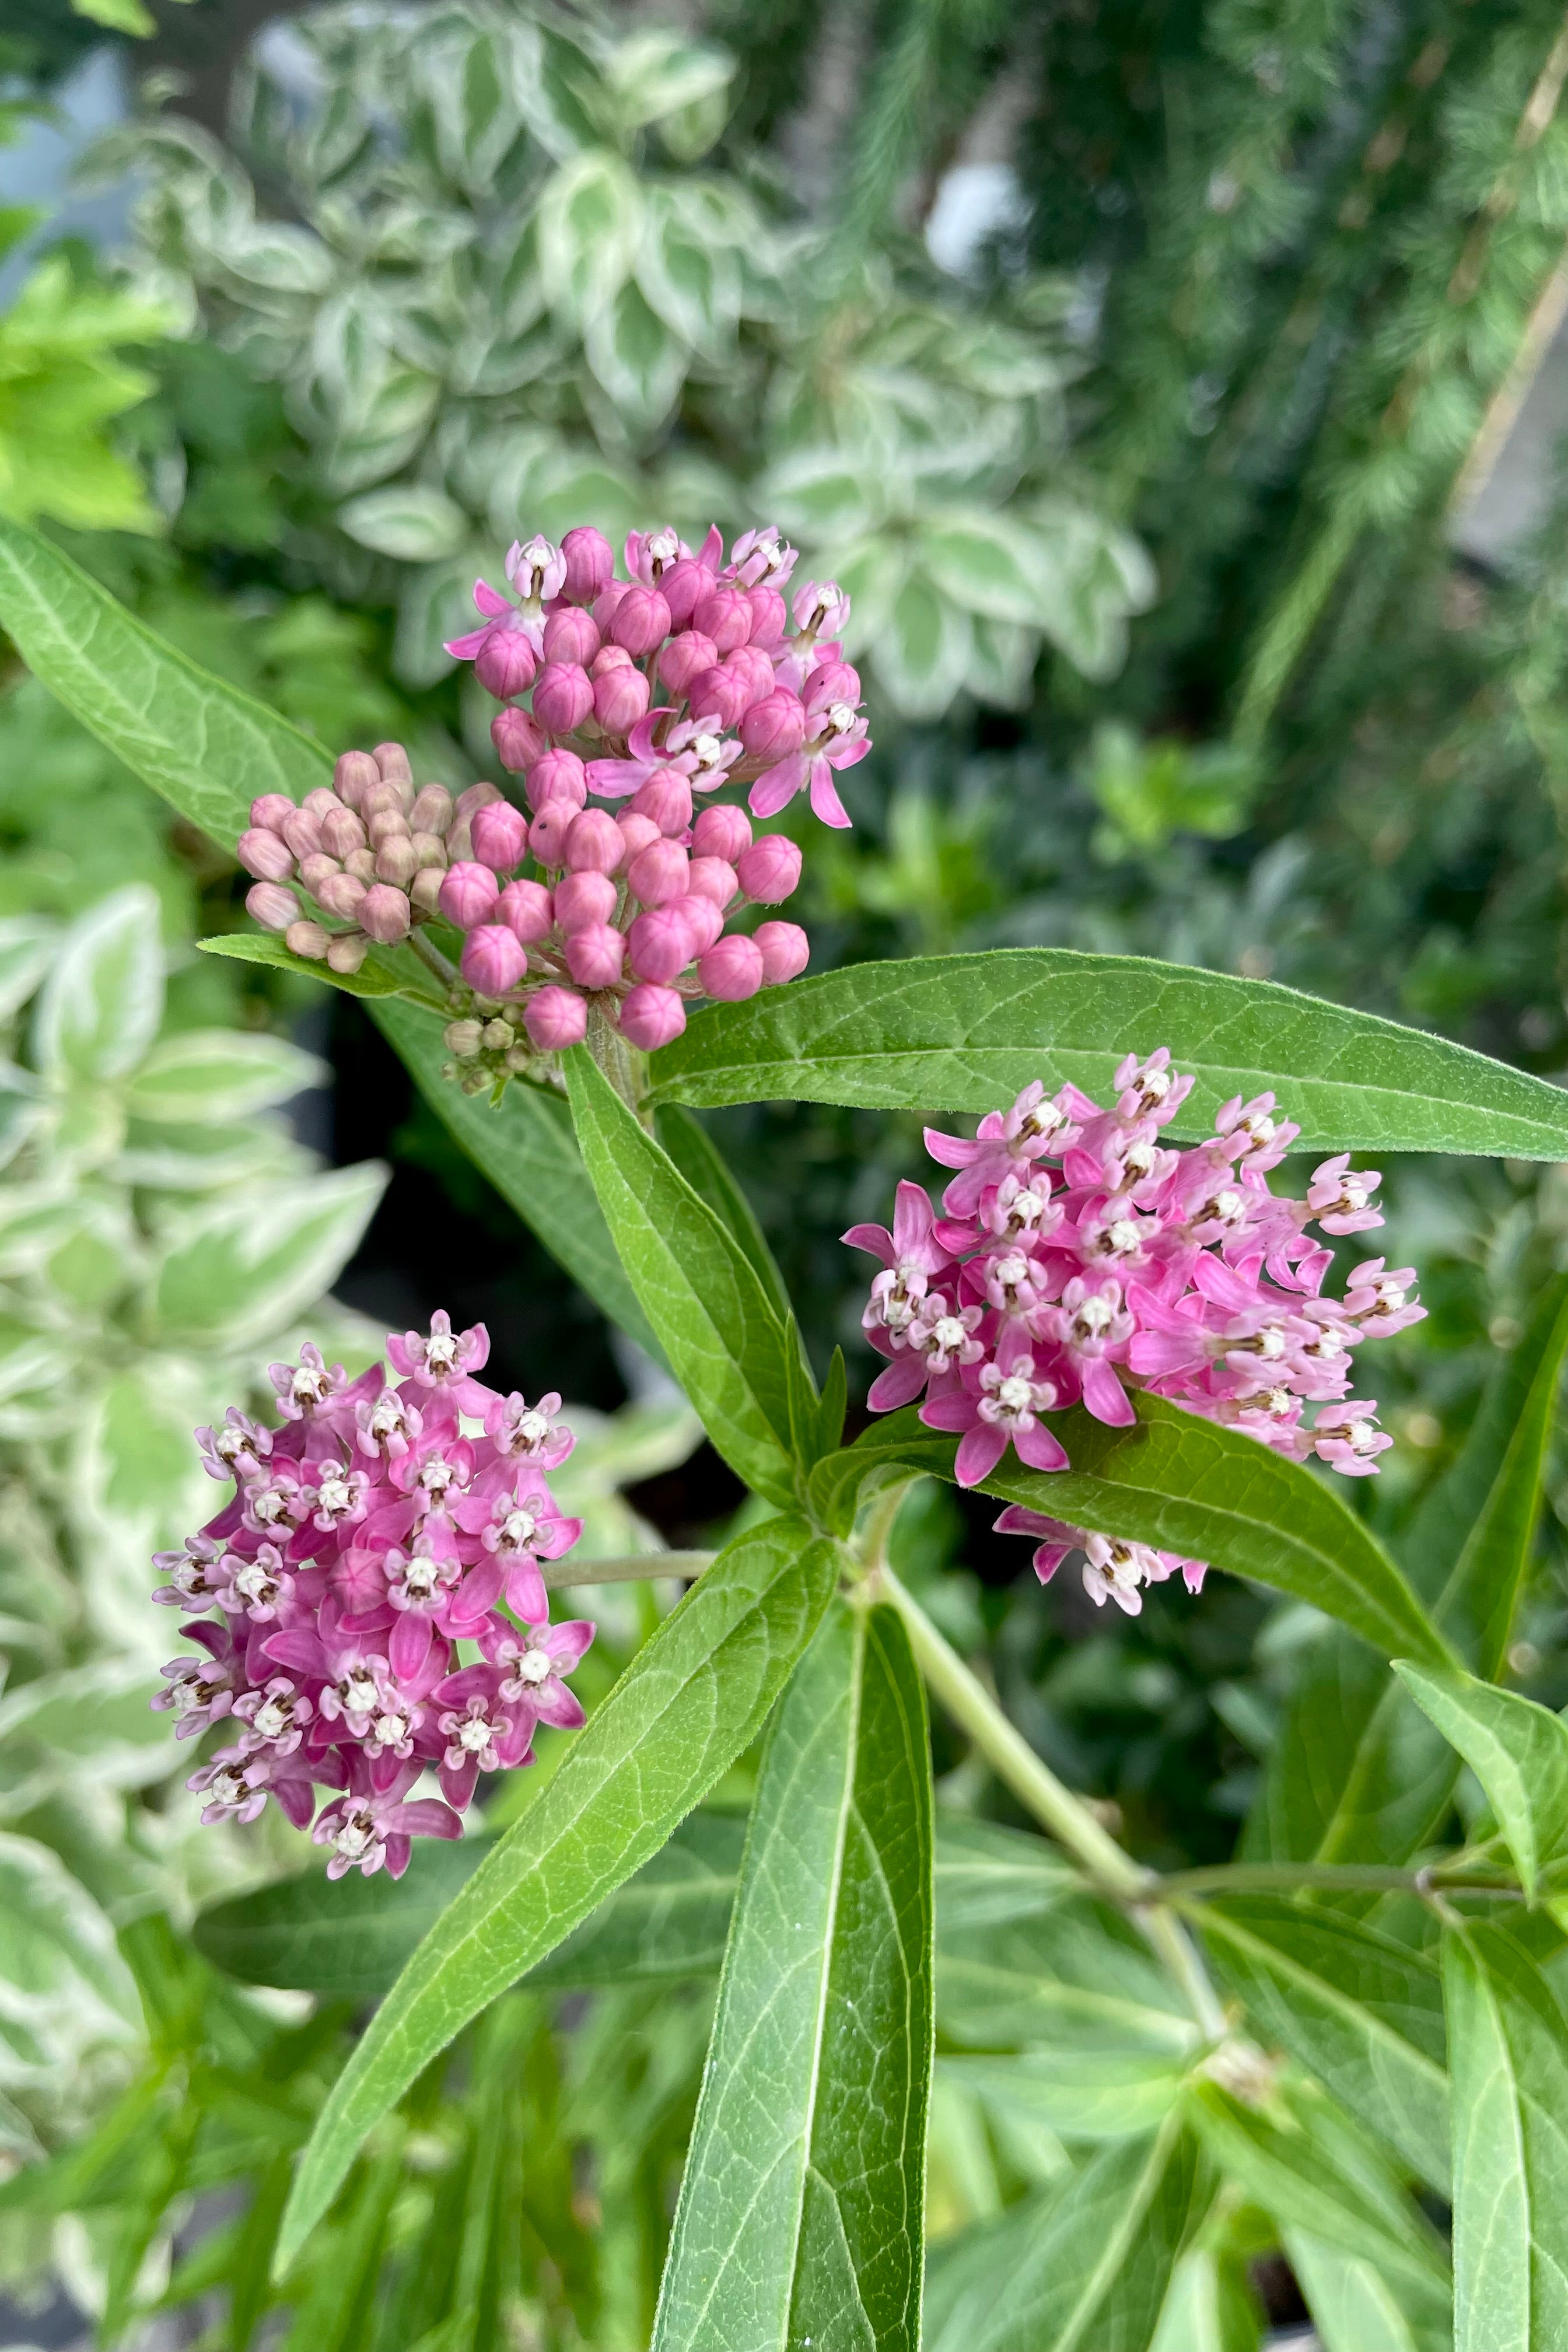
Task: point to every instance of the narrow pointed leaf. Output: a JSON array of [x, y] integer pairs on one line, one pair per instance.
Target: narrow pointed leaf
[[1508, 2052], [705, 1168], [1359, 1774], [691, 1699], [526, 1147], [1085, 2269], [800, 2212], [1355, 2309], [1187, 1485], [1361, 2012], [695, 1284], [967, 1033], [206, 746], [373, 978], [1516, 1750]]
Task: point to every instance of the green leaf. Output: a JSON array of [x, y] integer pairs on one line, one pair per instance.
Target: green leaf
[[1083, 2094], [669, 1920], [1210, 2306], [923, 652], [1187, 1485], [1516, 1750], [691, 1699], [1362, 2011], [696, 1285], [1508, 2052], [412, 521], [240, 1268], [261, 947], [636, 358], [527, 1148], [968, 1033], [1353, 2308], [1085, 2269], [1031, 1961], [103, 999], [1359, 1774], [705, 1168], [207, 748], [1304, 2161], [989, 563], [590, 222], [800, 2212], [218, 1075]]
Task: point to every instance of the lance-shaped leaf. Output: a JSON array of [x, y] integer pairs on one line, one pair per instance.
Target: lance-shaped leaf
[[800, 2214], [206, 746], [1076, 2090], [1355, 2309], [691, 1699], [1359, 1774], [695, 1284], [967, 1033], [1084, 2270], [1363, 2012], [704, 1167], [1187, 1485], [669, 1920], [1509, 2054], [1516, 1750], [526, 1147]]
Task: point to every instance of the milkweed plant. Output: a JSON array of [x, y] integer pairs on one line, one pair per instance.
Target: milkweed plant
[[1128, 1319]]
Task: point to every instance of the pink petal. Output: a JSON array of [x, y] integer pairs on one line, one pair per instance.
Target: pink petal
[[425, 1817], [410, 1644], [874, 1239], [826, 804], [1105, 1397], [951, 1151], [525, 1594], [488, 601], [776, 786], [979, 1452], [1041, 1449], [899, 1384], [955, 1412], [465, 648]]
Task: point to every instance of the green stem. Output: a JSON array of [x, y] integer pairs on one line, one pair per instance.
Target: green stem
[[1349, 1877], [430, 956], [629, 1568], [620, 1062]]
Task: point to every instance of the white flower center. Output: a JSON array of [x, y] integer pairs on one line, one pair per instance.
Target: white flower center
[[440, 1352], [228, 1786], [1122, 1237], [533, 1666], [1228, 1205], [387, 1418], [271, 1718], [254, 1582], [1271, 1343], [707, 748], [391, 1729], [841, 717], [532, 1428], [357, 1692], [1012, 1270], [519, 1528], [419, 1577], [663, 547], [335, 1494], [1092, 1318], [1014, 1394], [355, 1835], [1359, 1434], [474, 1733], [308, 1387], [948, 1333]]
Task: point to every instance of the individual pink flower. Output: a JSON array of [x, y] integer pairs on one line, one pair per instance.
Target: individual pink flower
[[371, 1829], [997, 1407], [534, 1661], [1007, 1143], [482, 1732], [529, 1432], [1114, 1569], [1341, 1199], [1348, 1436], [446, 1361]]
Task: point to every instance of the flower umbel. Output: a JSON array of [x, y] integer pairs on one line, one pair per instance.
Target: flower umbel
[[358, 1546], [1080, 1259]]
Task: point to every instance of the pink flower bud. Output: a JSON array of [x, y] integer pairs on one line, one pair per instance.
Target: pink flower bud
[[583, 898], [505, 662], [527, 910], [353, 772], [302, 833], [717, 694], [682, 586], [467, 894], [432, 811], [595, 955], [703, 920], [547, 834], [316, 869], [269, 904], [342, 832], [270, 809], [392, 762], [723, 832], [494, 959], [347, 952], [685, 657], [666, 797], [661, 943], [557, 776], [832, 681], [784, 949], [571, 636], [608, 658], [554, 1018], [658, 874], [724, 615], [712, 877], [769, 869], [384, 913], [342, 895], [768, 616], [360, 863], [637, 831], [596, 840], [499, 834], [651, 1016], [387, 824], [473, 798], [517, 739], [307, 939], [562, 698], [590, 566], [263, 853], [753, 672], [640, 620], [774, 728], [425, 890], [620, 699], [605, 603], [396, 861], [322, 802], [731, 969]]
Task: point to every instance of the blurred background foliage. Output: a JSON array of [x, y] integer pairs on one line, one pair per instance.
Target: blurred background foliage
[[1139, 368]]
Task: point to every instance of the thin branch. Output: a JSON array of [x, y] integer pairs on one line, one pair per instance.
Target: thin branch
[[628, 1567]]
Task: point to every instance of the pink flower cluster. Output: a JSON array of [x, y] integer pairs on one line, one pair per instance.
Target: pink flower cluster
[[365, 1539], [567, 904], [1079, 1258]]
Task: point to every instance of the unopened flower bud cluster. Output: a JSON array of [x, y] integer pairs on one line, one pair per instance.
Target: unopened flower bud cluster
[[1079, 1258], [365, 1539], [651, 692]]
